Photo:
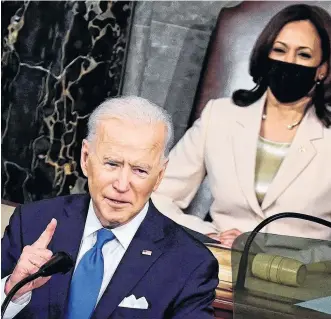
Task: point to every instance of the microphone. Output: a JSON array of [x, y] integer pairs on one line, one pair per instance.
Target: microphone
[[244, 257], [61, 262]]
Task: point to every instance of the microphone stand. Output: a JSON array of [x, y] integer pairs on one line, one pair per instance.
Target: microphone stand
[[14, 290], [60, 262], [244, 257]]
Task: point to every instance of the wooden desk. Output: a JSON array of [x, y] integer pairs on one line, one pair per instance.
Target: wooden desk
[[223, 304], [252, 307]]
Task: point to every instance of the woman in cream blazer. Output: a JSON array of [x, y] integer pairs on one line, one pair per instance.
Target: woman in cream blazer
[[224, 141]]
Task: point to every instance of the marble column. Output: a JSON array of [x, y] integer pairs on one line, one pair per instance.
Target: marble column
[[60, 59]]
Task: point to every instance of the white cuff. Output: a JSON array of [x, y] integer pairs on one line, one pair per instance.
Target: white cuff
[[16, 306]]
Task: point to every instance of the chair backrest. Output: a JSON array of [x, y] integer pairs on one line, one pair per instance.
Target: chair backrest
[[226, 63]]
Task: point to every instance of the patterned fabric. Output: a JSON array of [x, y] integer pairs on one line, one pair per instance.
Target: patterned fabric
[[269, 157]]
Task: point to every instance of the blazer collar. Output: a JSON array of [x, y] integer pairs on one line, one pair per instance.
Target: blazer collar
[[250, 117], [153, 226], [245, 138], [311, 128], [300, 154], [67, 237], [244, 142]]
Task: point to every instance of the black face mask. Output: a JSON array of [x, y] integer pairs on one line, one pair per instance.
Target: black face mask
[[290, 82]]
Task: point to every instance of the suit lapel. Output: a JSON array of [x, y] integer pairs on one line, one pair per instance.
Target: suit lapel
[[134, 264], [67, 238], [245, 138], [300, 154]]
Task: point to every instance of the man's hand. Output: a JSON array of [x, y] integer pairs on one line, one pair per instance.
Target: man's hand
[[31, 259], [226, 238]]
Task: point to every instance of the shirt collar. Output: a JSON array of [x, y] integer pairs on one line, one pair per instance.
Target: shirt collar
[[123, 234]]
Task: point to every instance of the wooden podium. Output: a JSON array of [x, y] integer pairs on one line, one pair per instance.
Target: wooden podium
[[223, 303]]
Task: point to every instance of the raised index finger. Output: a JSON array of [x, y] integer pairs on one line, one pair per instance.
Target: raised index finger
[[46, 236]]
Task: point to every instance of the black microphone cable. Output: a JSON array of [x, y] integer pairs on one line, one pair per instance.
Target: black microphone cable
[[60, 262]]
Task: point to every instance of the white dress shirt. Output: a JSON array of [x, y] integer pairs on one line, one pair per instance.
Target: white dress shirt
[[113, 251]]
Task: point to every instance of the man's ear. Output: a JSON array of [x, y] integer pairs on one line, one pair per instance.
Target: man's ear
[[160, 175], [84, 157]]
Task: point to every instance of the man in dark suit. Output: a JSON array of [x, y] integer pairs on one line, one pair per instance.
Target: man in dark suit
[[130, 260]]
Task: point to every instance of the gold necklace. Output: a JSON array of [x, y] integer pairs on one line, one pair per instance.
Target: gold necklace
[[289, 127]]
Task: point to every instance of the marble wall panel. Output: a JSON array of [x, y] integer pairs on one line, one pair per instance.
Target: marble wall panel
[[172, 72], [200, 15], [143, 13], [60, 59], [135, 64], [166, 43]]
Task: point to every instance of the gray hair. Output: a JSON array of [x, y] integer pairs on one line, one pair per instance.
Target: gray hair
[[133, 108]]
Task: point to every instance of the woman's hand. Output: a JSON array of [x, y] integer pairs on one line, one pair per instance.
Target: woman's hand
[[226, 238]]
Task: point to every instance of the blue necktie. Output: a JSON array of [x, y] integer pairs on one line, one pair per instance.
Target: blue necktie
[[87, 279]]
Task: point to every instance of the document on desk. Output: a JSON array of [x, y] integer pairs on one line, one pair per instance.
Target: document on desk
[[320, 304]]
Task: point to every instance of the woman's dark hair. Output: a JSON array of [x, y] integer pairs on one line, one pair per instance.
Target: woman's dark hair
[[258, 67]]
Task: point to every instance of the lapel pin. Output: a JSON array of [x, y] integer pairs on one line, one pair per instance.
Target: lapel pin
[[146, 252]]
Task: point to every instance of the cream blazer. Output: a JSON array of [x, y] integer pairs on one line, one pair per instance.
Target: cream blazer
[[222, 143]]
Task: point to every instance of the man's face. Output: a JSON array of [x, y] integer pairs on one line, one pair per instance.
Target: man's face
[[124, 165]]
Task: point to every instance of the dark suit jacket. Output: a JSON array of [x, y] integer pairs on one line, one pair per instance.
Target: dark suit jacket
[[178, 280]]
